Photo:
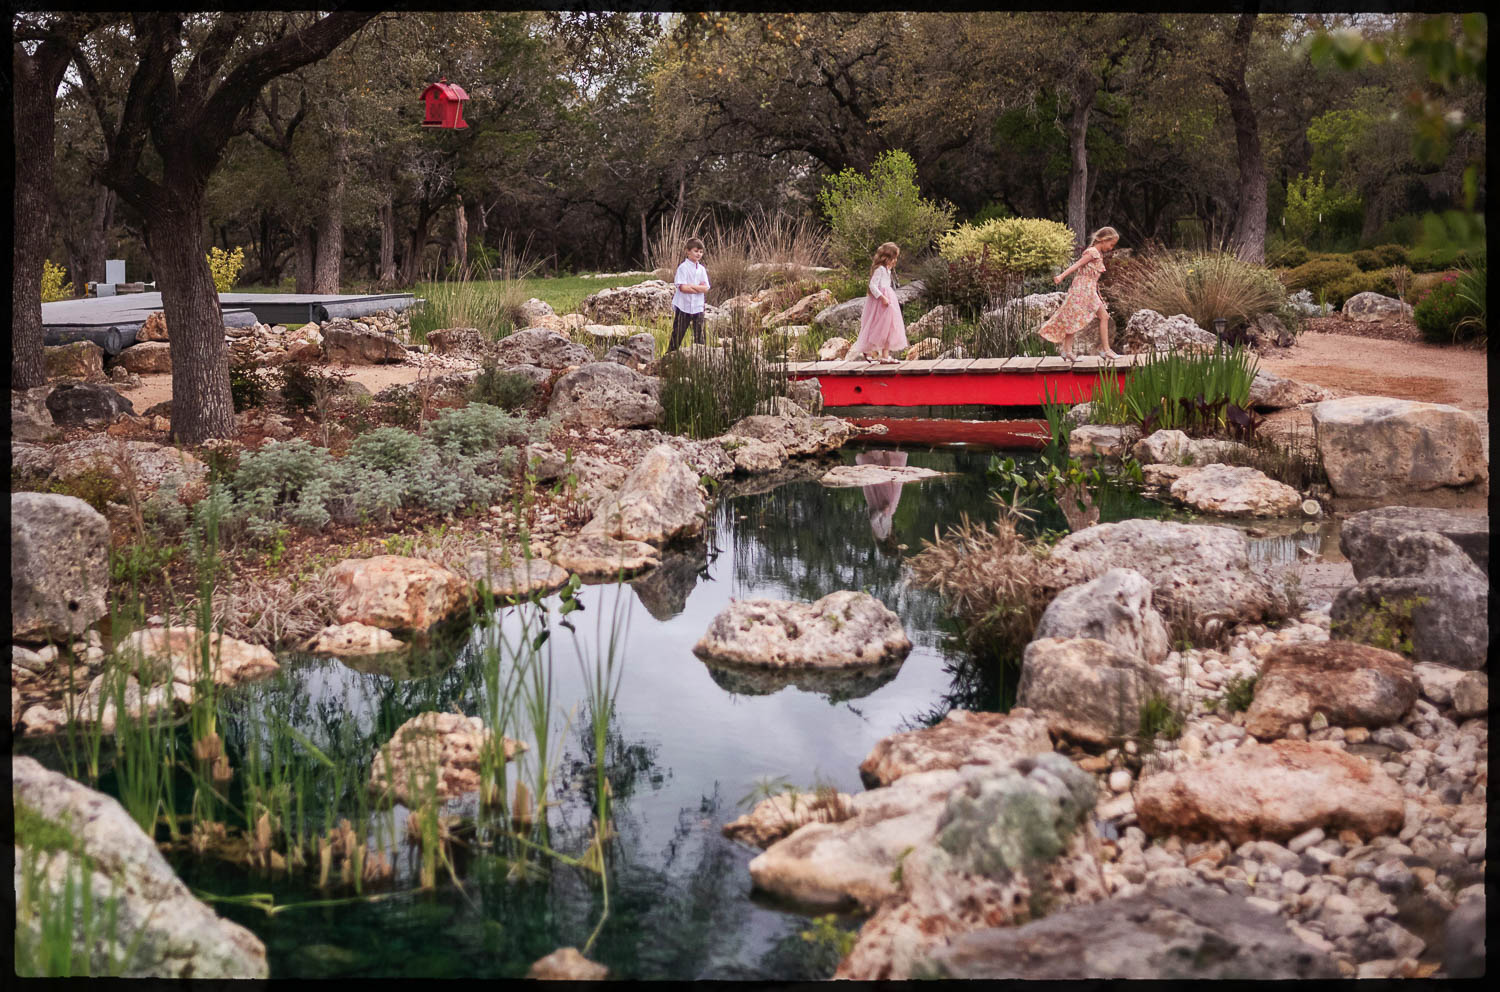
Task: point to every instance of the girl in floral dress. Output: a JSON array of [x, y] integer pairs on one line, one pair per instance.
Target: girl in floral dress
[[1083, 303], [881, 328]]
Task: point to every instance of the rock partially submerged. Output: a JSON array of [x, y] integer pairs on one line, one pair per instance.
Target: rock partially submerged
[[797, 435], [568, 965], [396, 593], [777, 816], [163, 931], [847, 476], [507, 572], [434, 756], [597, 556], [1236, 491], [842, 629], [354, 640], [962, 738], [659, 501]]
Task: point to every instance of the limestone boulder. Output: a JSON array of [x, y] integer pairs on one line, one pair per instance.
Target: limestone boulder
[[1196, 570], [1236, 491], [1147, 330], [803, 311], [456, 340], [507, 572], [635, 350], [1352, 685], [145, 465], [86, 403], [534, 308], [754, 456], [59, 566], [348, 342], [434, 756], [1004, 843], [1186, 933], [798, 436], [146, 358], [921, 348], [1367, 308], [1366, 538], [1271, 392], [930, 325], [1442, 590], [606, 394], [660, 500], [843, 318], [154, 329], [1437, 681], [1271, 792], [1102, 441], [848, 476], [354, 640], [1030, 311], [962, 738], [179, 650], [777, 816], [843, 629], [1115, 608], [1086, 690], [1471, 695], [806, 393], [30, 420], [163, 931], [780, 406], [834, 348], [394, 592], [1378, 447], [567, 964], [542, 348], [642, 303], [76, 360], [597, 556]]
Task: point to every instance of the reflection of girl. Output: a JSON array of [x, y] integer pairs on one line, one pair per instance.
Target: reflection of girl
[[882, 497]]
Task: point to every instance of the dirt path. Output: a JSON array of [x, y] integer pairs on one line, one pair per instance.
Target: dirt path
[[1353, 366]]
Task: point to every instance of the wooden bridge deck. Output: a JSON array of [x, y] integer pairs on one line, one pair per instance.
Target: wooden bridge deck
[[1016, 381]]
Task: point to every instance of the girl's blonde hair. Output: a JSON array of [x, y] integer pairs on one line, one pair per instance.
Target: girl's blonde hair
[[884, 255], [1104, 234]]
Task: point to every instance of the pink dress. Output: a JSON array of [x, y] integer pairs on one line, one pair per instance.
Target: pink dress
[[882, 497], [1081, 307], [880, 327]]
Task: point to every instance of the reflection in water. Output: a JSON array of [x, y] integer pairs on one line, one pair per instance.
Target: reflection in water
[[835, 685], [882, 497]]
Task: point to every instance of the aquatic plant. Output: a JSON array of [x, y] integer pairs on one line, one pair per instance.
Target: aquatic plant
[[63, 931], [1199, 393], [705, 390]]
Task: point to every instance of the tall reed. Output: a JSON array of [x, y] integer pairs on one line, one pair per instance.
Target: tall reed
[[705, 390], [1177, 391]]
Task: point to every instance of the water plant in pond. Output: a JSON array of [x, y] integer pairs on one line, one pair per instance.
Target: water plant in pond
[[64, 930], [1195, 393], [704, 391]]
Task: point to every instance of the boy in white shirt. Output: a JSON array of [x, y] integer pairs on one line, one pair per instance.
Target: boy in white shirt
[[687, 302]]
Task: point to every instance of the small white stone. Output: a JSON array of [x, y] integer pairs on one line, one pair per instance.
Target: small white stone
[[1119, 780]]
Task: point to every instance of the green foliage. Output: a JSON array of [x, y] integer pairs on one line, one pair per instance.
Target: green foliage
[[306, 387], [1391, 255], [478, 428], [704, 391], [1317, 275], [1386, 625], [1452, 309], [140, 563], [53, 287], [1320, 215], [1159, 717], [866, 211], [225, 267], [831, 943], [1205, 286], [1366, 259], [1172, 391], [1239, 693], [850, 286], [95, 486], [248, 384], [66, 930], [1283, 253], [500, 388], [1379, 281], [1020, 244]]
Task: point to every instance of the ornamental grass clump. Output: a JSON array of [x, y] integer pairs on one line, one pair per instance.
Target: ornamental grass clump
[[1205, 286], [1195, 393], [705, 390]]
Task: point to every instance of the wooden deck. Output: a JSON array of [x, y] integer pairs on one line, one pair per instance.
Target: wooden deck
[[1015, 381]]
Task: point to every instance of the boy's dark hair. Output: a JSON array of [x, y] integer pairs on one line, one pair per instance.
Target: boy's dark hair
[[691, 244]]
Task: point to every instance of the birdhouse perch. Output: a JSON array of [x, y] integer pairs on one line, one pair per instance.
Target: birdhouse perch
[[444, 104]]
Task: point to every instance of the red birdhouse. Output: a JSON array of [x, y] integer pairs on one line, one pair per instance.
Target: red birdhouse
[[445, 104]]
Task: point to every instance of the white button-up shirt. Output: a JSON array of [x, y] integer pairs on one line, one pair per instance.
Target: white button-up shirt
[[689, 273]]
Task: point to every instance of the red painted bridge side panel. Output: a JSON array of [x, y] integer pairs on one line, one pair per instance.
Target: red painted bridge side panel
[[980, 389]]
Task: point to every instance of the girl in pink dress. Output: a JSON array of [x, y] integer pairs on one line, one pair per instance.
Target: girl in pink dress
[[1083, 303], [880, 325]]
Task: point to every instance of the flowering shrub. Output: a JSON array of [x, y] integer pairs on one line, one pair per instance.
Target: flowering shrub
[[225, 267], [1021, 244], [53, 287]]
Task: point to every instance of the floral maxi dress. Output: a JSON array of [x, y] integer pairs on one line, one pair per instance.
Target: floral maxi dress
[[1081, 307]]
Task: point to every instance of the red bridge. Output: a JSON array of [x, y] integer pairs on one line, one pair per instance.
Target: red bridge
[[1016, 381]]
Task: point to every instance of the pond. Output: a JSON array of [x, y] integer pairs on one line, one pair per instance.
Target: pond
[[687, 746]]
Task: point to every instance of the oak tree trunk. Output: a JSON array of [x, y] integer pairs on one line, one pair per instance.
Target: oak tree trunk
[[201, 404], [307, 251], [330, 252], [36, 80], [387, 275], [460, 235], [1078, 163], [1249, 235]]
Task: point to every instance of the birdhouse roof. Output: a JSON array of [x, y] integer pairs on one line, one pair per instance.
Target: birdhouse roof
[[450, 90]]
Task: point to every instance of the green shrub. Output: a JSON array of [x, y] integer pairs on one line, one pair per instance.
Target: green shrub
[[1019, 244], [1172, 391], [704, 391], [1239, 693], [972, 283], [1317, 213], [1160, 718], [1445, 313], [1366, 260], [499, 388], [1390, 254], [866, 211], [479, 427], [849, 287], [1203, 286], [96, 487], [225, 266], [247, 384], [1318, 274], [53, 287], [1379, 281], [1286, 254]]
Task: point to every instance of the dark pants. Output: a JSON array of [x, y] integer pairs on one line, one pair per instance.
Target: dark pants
[[680, 322]]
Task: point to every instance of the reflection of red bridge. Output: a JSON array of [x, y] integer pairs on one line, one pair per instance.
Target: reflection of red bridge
[[1016, 381], [1022, 435]]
